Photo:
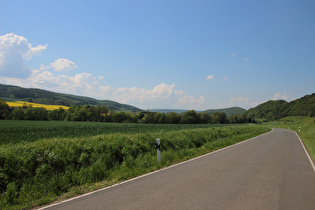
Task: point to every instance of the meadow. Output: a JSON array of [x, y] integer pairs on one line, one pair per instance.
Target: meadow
[[42, 162]]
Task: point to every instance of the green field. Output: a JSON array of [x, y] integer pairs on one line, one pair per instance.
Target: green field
[[41, 162], [13, 132]]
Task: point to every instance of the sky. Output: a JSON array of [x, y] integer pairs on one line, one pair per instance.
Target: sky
[[163, 54]]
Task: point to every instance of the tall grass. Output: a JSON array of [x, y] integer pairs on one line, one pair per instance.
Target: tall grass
[[39, 172]]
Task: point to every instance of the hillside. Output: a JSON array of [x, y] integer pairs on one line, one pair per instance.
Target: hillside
[[178, 111], [228, 111], [272, 110], [15, 93]]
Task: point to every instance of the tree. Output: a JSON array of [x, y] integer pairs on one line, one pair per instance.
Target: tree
[[172, 118], [219, 118], [36, 114], [149, 117], [189, 117], [205, 118], [4, 110], [119, 117], [57, 114], [18, 114]]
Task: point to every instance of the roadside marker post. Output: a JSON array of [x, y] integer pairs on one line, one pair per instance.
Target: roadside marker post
[[299, 129], [158, 149]]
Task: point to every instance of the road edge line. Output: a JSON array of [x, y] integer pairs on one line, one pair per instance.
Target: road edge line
[[306, 152], [150, 173]]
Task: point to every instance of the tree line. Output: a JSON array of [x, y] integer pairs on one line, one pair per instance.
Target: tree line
[[104, 114]]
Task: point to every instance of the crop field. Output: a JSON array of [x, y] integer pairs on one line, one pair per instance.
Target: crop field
[[47, 107], [26, 131], [41, 162]]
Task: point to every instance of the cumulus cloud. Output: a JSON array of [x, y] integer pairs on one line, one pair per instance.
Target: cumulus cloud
[[86, 84], [191, 100], [279, 96], [63, 65], [14, 50], [210, 77], [242, 102]]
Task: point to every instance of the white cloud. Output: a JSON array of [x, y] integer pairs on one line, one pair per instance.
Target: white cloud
[[63, 65], [245, 59], [248, 103], [85, 84], [278, 96], [226, 79], [233, 54], [100, 77], [242, 102], [210, 77], [13, 51], [191, 100]]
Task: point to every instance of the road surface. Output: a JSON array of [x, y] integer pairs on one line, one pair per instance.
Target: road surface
[[268, 172]]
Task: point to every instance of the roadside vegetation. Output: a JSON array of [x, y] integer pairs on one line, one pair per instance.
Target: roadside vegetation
[[40, 171]]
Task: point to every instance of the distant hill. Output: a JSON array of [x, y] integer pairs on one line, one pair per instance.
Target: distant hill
[[272, 110], [15, 93], [178, 111], [227, 111]]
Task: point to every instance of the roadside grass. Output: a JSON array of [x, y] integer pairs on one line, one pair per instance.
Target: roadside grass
[[306, 133], [40, 172]]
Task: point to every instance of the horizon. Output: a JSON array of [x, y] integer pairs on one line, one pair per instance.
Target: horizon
[[161, 55], [161, 109]]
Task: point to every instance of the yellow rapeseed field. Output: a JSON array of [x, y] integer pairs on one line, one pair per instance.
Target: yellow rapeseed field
[[47, 107]]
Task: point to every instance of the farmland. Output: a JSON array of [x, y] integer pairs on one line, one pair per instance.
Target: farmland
[[44, 161], [14, 131], [47, 107]]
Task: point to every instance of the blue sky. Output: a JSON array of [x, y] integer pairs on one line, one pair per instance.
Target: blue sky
[[161, 54]]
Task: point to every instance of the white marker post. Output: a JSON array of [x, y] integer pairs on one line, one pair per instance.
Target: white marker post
[[158, 149], [299, 129]]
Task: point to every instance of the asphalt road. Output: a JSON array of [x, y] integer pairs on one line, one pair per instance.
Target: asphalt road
[[269, 172]]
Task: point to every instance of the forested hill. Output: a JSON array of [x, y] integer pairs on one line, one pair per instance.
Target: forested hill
[[15, 93], [228, 111], [272, 110]]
